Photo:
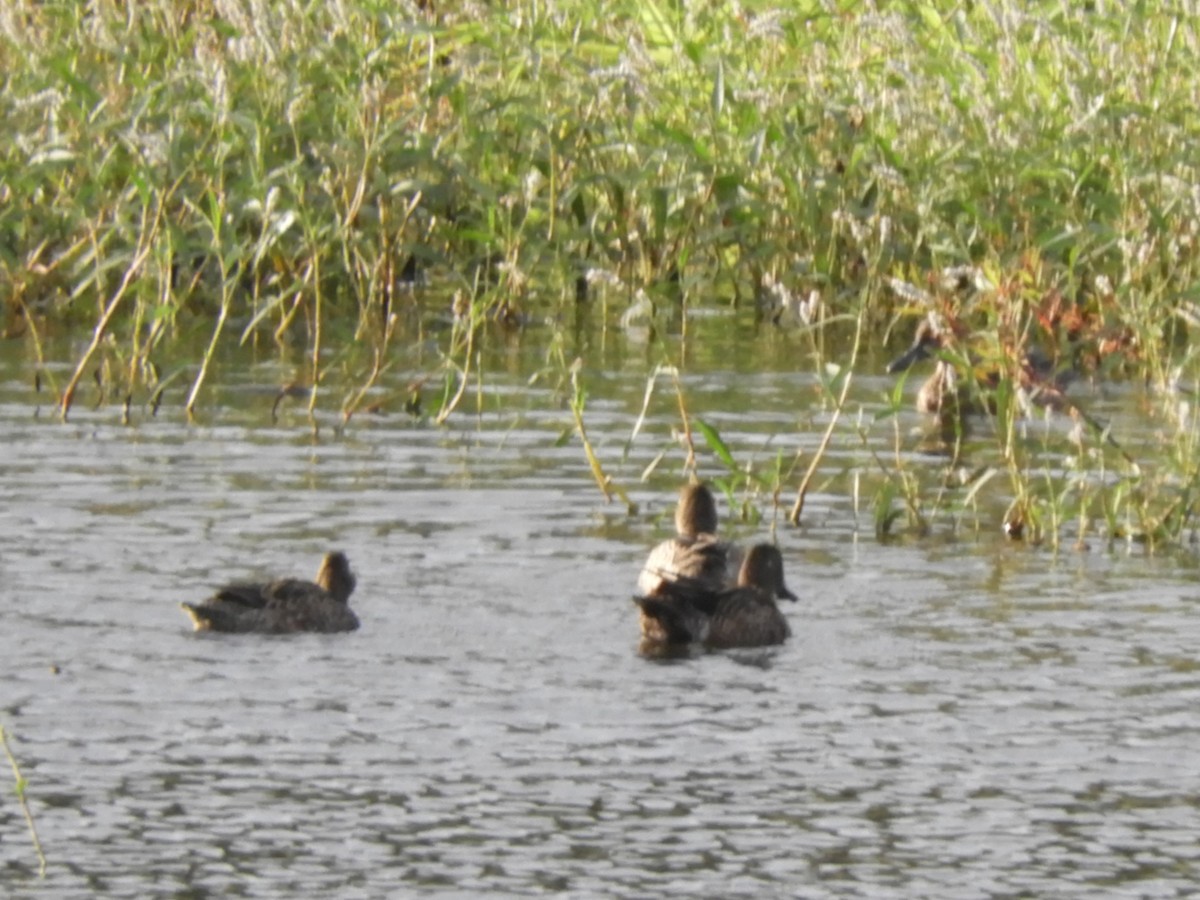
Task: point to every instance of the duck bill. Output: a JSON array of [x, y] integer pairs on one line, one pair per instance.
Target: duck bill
[[916, 353], [784, 594]]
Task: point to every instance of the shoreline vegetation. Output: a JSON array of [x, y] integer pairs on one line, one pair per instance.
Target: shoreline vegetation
[[185, 177]]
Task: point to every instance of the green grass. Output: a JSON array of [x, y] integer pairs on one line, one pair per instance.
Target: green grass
[[185, 176], [19, 786]]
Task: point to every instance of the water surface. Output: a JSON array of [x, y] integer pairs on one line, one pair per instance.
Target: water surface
[[955, 717]]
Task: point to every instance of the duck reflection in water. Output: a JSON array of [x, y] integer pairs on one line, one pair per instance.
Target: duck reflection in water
[[687, 612], [282, 606]]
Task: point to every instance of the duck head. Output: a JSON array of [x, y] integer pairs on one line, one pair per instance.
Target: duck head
[[763, 569], [696, 512], [929, 339], [335, 576]]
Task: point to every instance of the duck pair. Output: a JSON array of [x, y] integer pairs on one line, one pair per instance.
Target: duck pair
[[1037, 382], [282, 606], [687, 596]]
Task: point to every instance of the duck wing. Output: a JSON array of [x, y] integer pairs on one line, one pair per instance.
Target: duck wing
[[247, 595]]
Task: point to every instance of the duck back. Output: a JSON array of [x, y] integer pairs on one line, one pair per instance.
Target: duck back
[[746, 617], [703, 559]]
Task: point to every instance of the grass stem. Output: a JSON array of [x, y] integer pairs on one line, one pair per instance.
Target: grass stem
[[22, 801]]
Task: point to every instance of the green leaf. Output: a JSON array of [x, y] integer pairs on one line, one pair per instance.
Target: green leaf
[[713, 439], [718, 92], [726, 188], [660, 201], [657, 29]]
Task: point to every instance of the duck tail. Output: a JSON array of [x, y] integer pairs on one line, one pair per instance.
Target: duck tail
[[208, 618], [670, 617]]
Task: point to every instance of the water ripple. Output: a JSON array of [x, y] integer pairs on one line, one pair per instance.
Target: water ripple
[[949, 721]]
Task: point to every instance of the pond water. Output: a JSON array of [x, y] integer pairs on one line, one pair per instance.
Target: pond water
[[955, 716]]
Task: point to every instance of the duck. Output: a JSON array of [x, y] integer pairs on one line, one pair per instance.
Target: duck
[[282, 606], [939, 393], [688, 612], [695, 553], [1037, 383]]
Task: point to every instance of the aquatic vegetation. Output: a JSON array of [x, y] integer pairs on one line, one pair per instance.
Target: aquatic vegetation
[[361, 190], [19, 785]]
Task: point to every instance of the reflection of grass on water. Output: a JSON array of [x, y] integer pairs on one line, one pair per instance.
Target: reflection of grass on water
[[186, 177], [19, 790]]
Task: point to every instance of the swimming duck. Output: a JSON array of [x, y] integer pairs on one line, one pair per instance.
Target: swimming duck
[[284, 605], [695, 553], [687, 612]]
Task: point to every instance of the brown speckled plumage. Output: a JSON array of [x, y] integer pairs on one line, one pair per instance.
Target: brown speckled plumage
[[282, 606], [688, 612], [695, 552]]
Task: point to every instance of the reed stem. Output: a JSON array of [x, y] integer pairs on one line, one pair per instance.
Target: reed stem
[[22, 802]]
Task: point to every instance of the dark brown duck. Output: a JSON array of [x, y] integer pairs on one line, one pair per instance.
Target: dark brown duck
[[282, 606], [688, 612]]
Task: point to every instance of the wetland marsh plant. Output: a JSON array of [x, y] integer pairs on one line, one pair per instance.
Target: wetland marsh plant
[[270, 176], [19, 785]]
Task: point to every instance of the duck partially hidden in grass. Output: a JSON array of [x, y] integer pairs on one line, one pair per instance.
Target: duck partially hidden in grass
[[282, 606], [687, 612], [695, 553], [939, 393], [1036, 382]]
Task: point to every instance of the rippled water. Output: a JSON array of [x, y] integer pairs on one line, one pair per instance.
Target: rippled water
[[953, 718]]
